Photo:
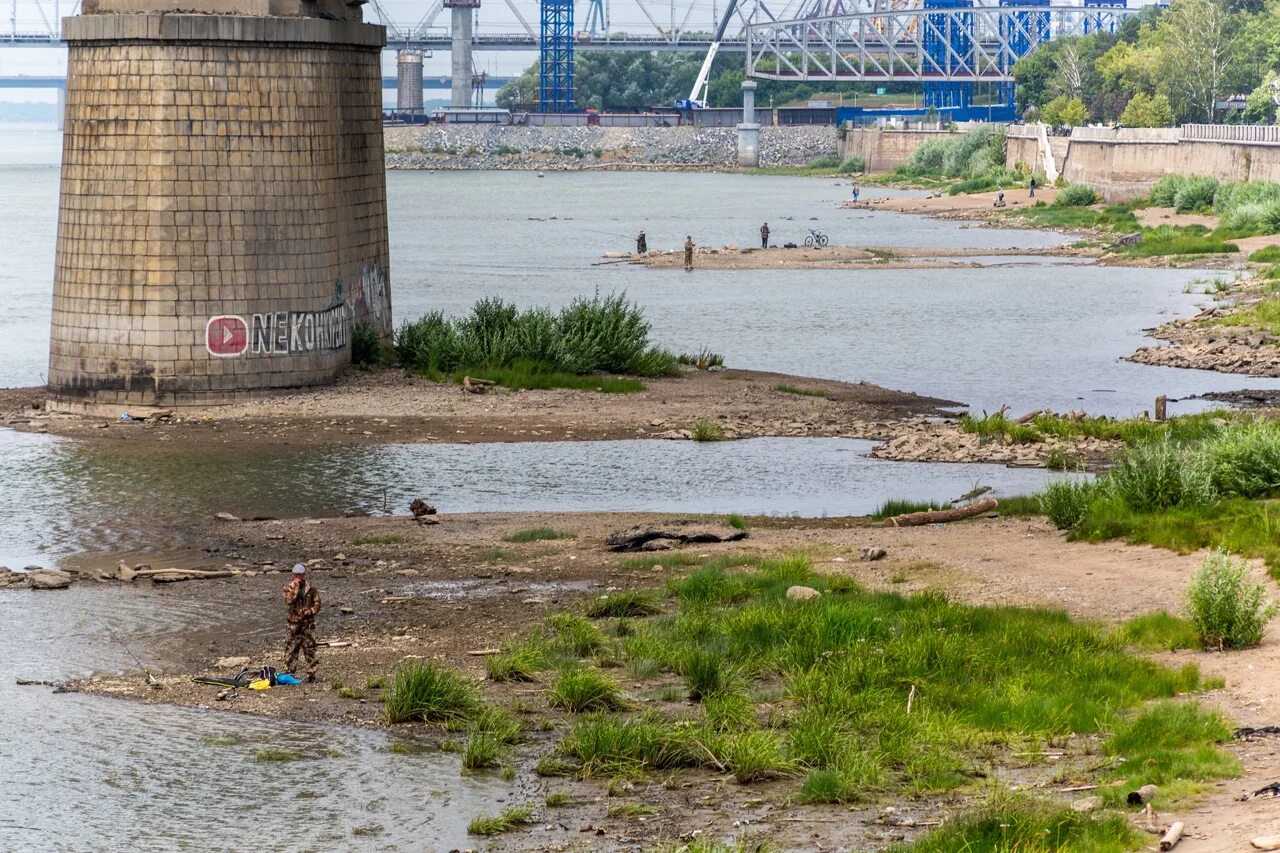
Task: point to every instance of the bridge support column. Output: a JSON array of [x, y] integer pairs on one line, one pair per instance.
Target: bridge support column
[[749, 130], [460, 53], [409, 81], [222, 227]]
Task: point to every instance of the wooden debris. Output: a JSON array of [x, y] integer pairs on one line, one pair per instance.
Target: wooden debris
[[1172, 835], [474, 385], [484, 652], [635, 538], [334, 644], [941, 516]]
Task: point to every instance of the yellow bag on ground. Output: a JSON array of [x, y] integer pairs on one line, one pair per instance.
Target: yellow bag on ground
[[260, 684]]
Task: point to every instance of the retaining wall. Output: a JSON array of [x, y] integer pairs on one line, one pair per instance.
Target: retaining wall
[[885, 150], [1122, 164]]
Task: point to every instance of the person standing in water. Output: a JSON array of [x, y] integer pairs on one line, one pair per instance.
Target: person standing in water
[[764, 236], [688, 253], [642, 244]]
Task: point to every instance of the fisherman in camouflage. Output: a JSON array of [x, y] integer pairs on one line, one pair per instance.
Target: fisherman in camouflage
[[302, 603]]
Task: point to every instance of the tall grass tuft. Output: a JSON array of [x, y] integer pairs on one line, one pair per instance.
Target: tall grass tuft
[[603, 334], [579, 690], [1065, 502], [706, 429], [1228, 609], [513, 818], [430, 693], [1076, 195], [1015, 822], [626, 604]]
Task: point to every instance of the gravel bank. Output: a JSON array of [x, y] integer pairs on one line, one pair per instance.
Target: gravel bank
[[459, 147]]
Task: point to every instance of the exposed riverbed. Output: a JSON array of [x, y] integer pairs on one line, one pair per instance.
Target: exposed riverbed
[[89, 773]]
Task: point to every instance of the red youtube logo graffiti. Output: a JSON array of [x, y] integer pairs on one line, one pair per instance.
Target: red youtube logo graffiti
[[226, 336]]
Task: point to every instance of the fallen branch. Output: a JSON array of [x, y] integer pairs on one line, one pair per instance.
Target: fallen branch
[[484, 652], [334, 644], [941, 516]]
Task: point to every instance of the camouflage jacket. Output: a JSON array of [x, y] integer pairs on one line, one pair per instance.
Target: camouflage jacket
[[302, 600]]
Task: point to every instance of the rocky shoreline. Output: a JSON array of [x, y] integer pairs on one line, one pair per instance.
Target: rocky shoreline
[[1200, 344], [581, 148]]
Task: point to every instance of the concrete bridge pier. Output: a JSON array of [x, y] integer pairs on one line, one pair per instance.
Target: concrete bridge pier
[[749, 130], [461, 63], [409, 81]]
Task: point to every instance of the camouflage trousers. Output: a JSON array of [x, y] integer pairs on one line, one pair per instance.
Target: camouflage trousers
[[301, 641]]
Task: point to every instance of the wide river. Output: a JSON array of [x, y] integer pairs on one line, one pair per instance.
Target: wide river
[[83, 773]]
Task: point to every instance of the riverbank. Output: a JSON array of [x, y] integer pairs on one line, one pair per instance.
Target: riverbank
[[451, 593], [388, 406], [1231, 336], [456, 147]]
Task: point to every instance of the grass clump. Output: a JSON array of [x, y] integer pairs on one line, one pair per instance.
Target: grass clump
[[536, 534], [706, 429], [1009, 823], [513, 818], [853, 163], [1263, 315], [785, 388], [272, 754], [481, 751], [430, 693], [579, 690], [557, 799], [522, 662], [998, 426], [1159, 632], [897, 506], [626, 810], [736, 521], [576, 635], [703, 359], [1075, 195], [627, 604], [603, 334], [388, 539], [554, 766], [827, 162], [1229, 611], [1065, 502], [1266, 255], [1116, 218]]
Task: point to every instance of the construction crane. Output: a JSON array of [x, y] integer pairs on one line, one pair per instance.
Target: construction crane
[[698, 95]]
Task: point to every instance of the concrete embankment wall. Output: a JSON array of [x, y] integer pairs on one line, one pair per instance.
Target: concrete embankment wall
[[1123, 163], [516, 147], [886, 150]]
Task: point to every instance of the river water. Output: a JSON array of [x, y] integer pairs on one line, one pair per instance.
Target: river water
[[83, 773]]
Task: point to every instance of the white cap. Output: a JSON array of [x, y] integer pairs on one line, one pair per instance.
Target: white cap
[[299, 569]]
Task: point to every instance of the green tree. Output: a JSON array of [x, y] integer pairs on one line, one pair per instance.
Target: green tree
[[1074, 113], [1145, 110]]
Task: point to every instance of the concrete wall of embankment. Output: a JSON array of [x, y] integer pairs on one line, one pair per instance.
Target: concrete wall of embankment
[[1122, 164], [885, 149]]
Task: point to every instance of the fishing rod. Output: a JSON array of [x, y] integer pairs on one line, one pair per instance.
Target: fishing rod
[[151, 679]]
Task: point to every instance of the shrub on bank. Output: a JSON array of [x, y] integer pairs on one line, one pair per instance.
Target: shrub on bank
[[367, 347], [1065, 502], [853, 163], [827, 162], [1228, 609], [1266, 255], [606, 334], [1076, 195]]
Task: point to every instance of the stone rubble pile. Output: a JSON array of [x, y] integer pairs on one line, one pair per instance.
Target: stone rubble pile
[[515, 147]]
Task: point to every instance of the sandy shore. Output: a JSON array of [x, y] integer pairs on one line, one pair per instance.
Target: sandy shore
[[825, 258], [447, 591]]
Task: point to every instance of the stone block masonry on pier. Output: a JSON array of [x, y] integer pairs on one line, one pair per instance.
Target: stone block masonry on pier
[[222, 223]]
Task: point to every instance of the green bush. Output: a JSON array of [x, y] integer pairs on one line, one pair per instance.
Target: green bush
[[853, 163], [1161, 475], [367, 348], [1266, 255], [828, 162], [1065, 502], [963, 155], [1165, 190], [1227, 608], [606, 334], [1245, 460], [1196, 193], [578, 690], [1076, 195]]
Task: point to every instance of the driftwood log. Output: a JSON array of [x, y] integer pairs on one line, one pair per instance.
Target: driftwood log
[[476, 385], [941, 516], [178, 575], [1172, 836]]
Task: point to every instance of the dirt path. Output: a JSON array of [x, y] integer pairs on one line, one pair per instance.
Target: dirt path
[[457, 587], [825, 258], [387, 406]]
